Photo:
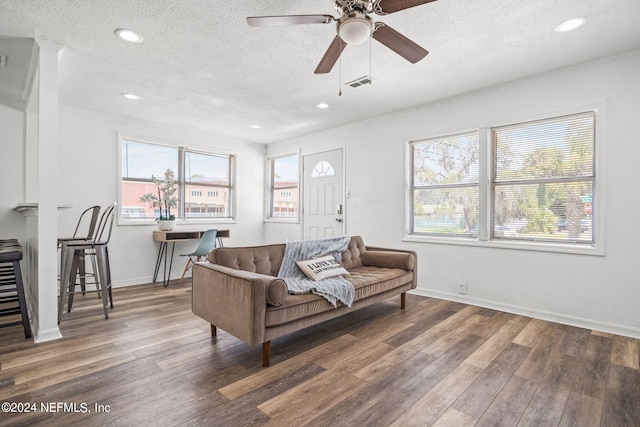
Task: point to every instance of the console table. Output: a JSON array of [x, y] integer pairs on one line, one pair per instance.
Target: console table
[[165, 237]]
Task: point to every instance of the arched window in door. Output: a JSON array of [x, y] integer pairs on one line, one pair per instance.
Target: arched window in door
[[322, 169]]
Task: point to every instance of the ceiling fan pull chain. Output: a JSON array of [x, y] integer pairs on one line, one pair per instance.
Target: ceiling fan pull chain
[[340, 58], [370, 50]]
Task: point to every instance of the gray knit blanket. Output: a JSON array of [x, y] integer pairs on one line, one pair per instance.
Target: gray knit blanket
[[333, 289]]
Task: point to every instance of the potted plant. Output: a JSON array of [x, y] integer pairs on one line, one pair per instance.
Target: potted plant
[[165, 199]]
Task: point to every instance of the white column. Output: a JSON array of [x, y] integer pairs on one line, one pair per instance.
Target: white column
[[47, 191], [30, 245]]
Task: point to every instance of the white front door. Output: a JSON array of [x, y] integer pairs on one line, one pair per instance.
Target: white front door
[[323, 206]]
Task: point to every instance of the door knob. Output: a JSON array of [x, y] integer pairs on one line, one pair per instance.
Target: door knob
[[338, 219]]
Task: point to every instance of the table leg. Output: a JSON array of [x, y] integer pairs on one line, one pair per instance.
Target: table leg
[[159, 260], [163, 250], [167, 278]]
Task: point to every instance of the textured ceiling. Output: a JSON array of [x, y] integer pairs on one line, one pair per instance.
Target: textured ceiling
[[202, 67]]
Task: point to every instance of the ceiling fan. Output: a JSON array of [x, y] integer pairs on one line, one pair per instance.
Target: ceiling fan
[[354, 26]]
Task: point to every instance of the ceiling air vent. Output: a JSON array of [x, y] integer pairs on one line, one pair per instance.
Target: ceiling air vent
[[359, 81], [3, 60]]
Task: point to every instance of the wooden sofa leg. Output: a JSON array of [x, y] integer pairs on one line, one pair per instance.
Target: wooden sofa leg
[[403, 300], [266, 353], [214, 331]]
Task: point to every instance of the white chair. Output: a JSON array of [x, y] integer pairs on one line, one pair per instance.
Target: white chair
[[207, 242]]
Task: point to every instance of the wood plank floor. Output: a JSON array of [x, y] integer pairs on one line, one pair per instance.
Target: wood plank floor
[[436, 363]]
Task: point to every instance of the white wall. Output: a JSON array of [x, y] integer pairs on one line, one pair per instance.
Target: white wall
[[12, 224], [596, 292], [89, 175]]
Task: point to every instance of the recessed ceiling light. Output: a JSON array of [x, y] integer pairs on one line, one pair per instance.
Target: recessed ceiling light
[[256, 126], [323, 105], [131, 96], [128, 35], [570, 24]]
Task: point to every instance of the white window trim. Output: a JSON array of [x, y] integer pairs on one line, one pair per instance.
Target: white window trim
[[268, 189], [163, 142], [486, 160]]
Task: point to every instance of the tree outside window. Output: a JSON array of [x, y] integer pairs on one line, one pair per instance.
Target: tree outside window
[[544, 179], [445, 185], [541, 186]]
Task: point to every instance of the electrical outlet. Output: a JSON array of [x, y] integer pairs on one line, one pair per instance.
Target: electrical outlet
[[462, 288]]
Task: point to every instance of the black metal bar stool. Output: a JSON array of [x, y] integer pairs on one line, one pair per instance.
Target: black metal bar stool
[[84, 231], [12, 286], [96, 247]]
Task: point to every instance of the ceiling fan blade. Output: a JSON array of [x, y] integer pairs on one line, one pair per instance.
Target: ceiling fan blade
[[272, 21], [331, 56], [398, 43], [384, 7]]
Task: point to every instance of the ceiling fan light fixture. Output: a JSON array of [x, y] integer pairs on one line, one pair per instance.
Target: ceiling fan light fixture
[[355, 30]]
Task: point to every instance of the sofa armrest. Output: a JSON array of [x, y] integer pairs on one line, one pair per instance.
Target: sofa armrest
[[392, 258], [234, 300], [389, 259]]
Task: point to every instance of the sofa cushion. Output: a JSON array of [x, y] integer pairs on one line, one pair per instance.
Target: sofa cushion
[[267, 259], [257, 259], [367, 281], [321, 268], [352, 257]]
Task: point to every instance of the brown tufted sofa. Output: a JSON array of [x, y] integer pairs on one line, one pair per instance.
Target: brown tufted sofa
[[237, 290]]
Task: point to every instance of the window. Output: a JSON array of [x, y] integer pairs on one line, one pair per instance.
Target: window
[[196, 173], [323, 169], [211, 173], [539, 184], [543, 180], [445, 184], [283, 183]]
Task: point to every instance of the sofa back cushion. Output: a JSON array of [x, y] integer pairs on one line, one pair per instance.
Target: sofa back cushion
[[256, 259], [352, 257], [267, 259]]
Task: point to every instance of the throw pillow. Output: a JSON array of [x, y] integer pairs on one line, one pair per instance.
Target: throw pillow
[[277, 292], [321, 268]]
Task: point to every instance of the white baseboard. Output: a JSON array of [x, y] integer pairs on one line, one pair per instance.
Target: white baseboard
[[146, 280], [564, 319]]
